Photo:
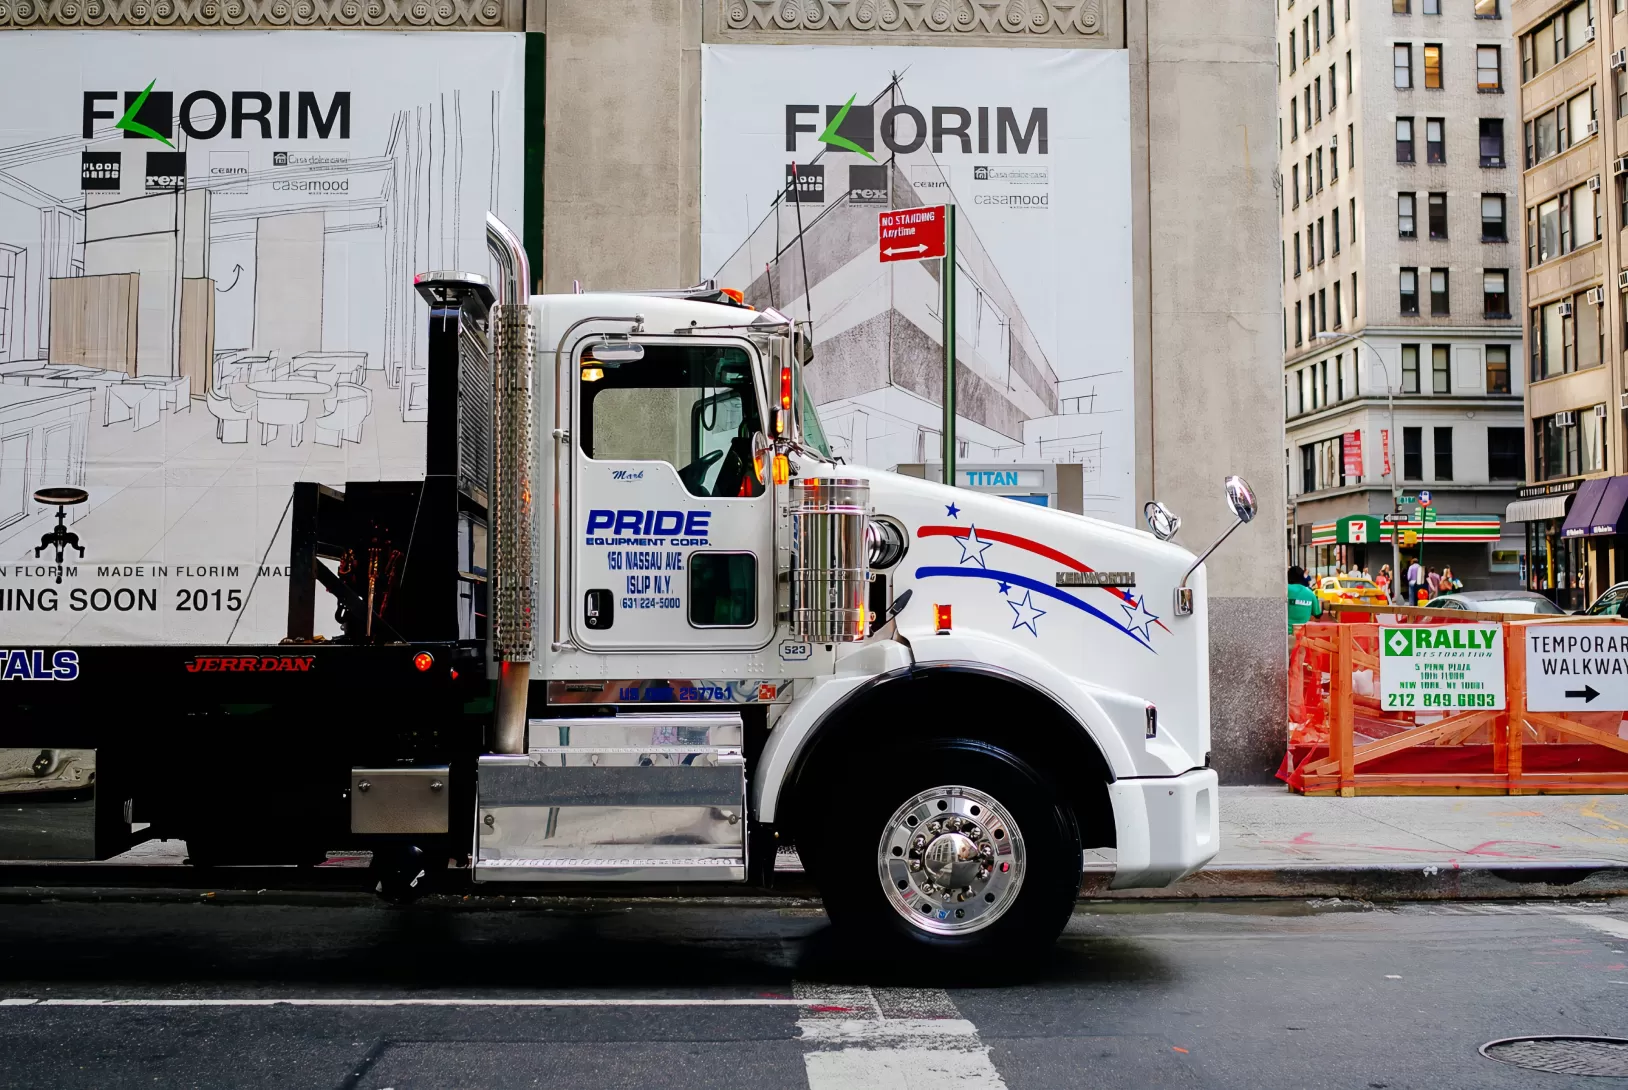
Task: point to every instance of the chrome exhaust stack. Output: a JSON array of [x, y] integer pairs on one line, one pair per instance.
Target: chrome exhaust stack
[[513, 345]]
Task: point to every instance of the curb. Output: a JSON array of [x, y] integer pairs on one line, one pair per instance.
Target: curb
[[1524, 880]]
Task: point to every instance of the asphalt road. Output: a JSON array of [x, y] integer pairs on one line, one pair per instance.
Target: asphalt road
[[340, 992]]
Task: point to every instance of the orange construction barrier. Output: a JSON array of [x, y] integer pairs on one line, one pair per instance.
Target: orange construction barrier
[[1342, 741]]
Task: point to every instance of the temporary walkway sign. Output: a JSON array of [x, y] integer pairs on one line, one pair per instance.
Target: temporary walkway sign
[[1577, 667], [1455, 667]]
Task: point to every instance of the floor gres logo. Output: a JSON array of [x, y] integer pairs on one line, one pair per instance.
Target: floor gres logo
[[203, 115], [904, 129]]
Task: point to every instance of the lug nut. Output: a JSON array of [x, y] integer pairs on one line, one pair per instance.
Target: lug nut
[[915, 864]]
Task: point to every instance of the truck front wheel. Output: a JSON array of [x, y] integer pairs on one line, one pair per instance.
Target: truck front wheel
[[954, 845]]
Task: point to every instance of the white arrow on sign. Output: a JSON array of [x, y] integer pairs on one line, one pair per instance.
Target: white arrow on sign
[[890, 251]]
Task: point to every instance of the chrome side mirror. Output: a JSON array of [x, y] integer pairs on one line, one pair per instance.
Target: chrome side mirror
[[1161, 520], [617, 350], [1241, 498]]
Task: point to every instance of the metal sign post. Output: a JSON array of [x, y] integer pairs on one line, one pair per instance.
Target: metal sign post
[[947, 274]]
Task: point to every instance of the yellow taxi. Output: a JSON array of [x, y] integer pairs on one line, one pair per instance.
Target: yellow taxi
[[1350, 588]]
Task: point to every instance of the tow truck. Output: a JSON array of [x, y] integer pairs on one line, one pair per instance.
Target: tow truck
[[636, 628]]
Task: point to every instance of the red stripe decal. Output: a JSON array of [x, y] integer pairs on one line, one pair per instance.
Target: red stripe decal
[[1022, 543]]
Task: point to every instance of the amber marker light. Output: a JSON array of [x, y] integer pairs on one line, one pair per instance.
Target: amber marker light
[[423, 661], [941, 619]]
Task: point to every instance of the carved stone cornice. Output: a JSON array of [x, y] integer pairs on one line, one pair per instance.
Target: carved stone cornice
[[263, 14], [1007, 22]]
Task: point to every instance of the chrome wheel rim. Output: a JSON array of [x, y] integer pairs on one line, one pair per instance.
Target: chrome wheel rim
[[951, 860]]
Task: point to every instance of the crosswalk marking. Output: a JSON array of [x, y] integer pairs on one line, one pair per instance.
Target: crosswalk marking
[[859, 1038]]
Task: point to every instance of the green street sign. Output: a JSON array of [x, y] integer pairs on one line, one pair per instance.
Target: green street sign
[[1430, 516]]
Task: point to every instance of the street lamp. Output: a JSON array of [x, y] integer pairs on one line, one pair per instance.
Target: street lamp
[[1390, 399]]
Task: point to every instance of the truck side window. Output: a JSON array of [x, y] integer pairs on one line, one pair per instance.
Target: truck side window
[[723, 590], [693, 407]]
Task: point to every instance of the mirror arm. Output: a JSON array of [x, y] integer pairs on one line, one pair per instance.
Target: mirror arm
[[1218, 543]]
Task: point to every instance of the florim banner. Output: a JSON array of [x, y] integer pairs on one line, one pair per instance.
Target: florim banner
[[805, 148], [207, 247]]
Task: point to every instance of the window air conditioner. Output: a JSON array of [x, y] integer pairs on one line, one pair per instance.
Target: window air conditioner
[[1619, 59], [1622, 280], [1567, 419], [1594, 184], [1599, 410], [1565, 310], [1588, 35], [1622, 164], [1622, 399], [1594, 128], [1596, 296]]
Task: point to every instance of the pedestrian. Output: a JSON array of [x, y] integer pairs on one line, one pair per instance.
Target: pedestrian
[[1303, 602], [1415, 577], [1433, 581], [1383, 580], [1449, 584]]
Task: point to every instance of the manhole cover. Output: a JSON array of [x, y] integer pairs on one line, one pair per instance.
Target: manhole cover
[[1563, 1055]]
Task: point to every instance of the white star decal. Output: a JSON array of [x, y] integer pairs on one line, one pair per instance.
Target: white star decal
[[973, 549], [1025, 613], [1137, 617]]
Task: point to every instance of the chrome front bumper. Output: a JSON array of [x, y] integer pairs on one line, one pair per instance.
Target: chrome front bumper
[[1167, 827]]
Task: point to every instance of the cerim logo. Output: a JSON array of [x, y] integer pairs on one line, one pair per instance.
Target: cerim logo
[[36, 665], [204, 115], [904, 129], [99, 171], [166, 170]]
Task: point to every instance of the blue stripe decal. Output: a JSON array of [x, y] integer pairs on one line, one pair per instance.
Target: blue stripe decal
[[1034, 585]]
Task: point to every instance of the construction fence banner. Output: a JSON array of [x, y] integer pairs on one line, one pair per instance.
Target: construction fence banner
[[1439, 707], [207, 251], [802, 146]]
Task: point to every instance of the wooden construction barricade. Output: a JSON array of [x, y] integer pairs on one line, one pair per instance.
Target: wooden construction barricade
[[1343, 741]]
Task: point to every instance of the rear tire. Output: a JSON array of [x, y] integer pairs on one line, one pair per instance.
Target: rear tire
[[910, 851]]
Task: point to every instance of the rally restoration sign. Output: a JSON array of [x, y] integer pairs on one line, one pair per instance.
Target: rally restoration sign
[[1456, 667], [1577, 667]]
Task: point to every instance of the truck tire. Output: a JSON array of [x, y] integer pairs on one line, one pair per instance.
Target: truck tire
[[953, 845]]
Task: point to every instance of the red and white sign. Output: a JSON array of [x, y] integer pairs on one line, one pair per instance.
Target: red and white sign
[[1351, 446], [910, 234], [1385, 448]]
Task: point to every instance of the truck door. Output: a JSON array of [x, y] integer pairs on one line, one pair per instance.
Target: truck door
[[673, 532]]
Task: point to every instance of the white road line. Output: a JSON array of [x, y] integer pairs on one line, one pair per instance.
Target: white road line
[[861, 1038], [402, 1002], [1608, 924]]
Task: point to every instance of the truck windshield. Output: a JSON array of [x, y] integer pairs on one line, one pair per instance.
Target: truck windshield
[[813, 430]]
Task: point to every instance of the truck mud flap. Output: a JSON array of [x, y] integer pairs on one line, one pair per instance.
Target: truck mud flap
[[637, 798]]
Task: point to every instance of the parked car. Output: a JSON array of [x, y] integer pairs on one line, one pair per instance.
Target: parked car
[[1498, 601], [1350, 588], [1609, 603]]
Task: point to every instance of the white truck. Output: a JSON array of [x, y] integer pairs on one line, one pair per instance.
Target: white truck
[[636, 625]]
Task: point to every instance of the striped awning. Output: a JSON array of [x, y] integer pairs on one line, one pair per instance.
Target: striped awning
[[1537, 508]]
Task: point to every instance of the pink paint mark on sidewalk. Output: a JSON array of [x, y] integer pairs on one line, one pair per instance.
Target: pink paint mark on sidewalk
[[1307, 843]]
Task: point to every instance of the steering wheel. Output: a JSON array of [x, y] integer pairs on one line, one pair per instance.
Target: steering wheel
[[693, 473]]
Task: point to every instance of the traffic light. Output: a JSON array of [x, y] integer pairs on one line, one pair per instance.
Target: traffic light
[[1410, 538]]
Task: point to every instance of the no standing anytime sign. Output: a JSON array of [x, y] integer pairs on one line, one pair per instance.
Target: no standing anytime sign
[[910, 234]]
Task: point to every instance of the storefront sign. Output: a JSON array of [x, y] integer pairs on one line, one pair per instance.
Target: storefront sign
[[1351, 446], [1453, 667], [1577, 668], [1385, 449]]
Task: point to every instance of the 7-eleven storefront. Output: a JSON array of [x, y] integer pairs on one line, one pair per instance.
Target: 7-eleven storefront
[[1363, 542]]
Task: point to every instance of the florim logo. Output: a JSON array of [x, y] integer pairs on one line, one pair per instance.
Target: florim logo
[[204, 115], [904, 129]]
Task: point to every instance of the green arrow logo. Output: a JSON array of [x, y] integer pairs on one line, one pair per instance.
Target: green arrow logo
[[829, 136], [129, 123], [1398, 642]]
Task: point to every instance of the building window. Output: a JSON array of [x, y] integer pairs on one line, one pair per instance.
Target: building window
[[1495, 293], [1435, 142], [1566, 336], [1348, 76], [1557, 38], [1322, 252], [1339, 362], [1562, 224], [1308, 176], [1440, 376], [1351, 145], [1305, 40], [1404, 216], [1437, 205], [1408, 283], [1619, 80], [1569, 443], [1444, 453], [1492, 141], [1488, 69], [1486, 9], [1413, 454], [1404, 140], [1493, 225], [1580, 115], [1294, 120], [1308, 468], [1402, 61], [1400, 7], [1410, 368], [1339, 319], [1432, 67], [1353, 283], [1307, 107], [1432, 7], [1506, 454], [1319, 157], [1297, 253], [1334, 158], [1353, 218], [1333, 88], [1334, 229], [1316, 29], [1292, 56], [1439, 301], [1498, 370], [1299, 319], [1316, 90], [1294, 183]]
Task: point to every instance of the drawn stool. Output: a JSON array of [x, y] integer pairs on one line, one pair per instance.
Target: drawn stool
[[60, 538]]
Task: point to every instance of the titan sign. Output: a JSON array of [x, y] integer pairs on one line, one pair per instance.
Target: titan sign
[[905, 129], [204, 115]]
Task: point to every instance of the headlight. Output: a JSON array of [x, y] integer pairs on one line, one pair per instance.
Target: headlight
[[884, 544]]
